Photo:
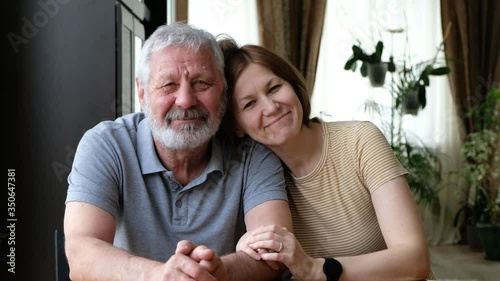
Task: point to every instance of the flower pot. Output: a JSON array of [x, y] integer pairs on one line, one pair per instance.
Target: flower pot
[[473, 238], [376, 73], [411, 104], [490, 240]]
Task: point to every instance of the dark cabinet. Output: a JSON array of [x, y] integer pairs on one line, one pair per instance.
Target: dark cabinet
[[72, 67]]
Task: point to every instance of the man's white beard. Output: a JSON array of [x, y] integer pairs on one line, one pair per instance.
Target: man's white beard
[[187, 136]]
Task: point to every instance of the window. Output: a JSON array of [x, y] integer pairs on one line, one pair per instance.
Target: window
[[130, 37], [341, 94], [237, 18]]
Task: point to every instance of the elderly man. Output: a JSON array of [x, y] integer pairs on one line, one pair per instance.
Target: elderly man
[[160, 195]]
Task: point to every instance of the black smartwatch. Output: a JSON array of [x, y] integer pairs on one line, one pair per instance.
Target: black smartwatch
[[332, 269]]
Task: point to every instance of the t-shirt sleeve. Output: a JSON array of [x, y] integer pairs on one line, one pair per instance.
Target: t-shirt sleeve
[[377, 162], [94, 177], [264, 178]]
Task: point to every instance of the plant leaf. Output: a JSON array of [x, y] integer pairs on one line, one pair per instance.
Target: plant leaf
[[440, 71], [391, 67], [421, 96], [425, 79], [358, 53], [364, 69], [378, 51], [351, 64]]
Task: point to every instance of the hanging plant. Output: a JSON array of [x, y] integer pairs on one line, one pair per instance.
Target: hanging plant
[[371, 64], [412, 82]]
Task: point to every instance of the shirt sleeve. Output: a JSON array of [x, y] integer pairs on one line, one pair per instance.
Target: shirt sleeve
[[377, 162], [264, 178], [94, 177]]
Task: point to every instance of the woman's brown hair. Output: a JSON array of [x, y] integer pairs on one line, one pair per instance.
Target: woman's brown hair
[[236, 59]]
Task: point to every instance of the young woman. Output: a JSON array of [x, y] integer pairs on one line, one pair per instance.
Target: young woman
[[354, 216]]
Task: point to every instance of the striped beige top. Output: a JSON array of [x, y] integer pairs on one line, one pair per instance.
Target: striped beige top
[[331, 207]]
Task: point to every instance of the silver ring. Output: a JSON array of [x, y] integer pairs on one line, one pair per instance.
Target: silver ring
[[281, 247]]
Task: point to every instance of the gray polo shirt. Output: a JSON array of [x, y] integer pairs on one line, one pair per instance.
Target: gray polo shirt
[[116, 168]]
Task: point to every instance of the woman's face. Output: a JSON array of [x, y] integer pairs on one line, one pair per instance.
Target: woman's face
[[265, 106]]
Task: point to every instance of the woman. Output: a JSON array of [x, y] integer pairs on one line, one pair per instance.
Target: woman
[[354, 216]]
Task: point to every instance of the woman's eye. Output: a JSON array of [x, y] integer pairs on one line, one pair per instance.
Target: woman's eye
[[249, 104], [274, 88]]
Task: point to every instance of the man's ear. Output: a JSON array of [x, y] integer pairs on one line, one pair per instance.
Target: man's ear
[[140, 91]]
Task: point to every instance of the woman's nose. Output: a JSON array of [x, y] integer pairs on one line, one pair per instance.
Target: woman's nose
[[270, 106]]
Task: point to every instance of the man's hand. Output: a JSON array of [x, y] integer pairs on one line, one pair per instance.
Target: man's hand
[[205, 257]]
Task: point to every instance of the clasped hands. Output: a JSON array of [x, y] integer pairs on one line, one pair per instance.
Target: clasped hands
[[279, 248], [275, 245], [193, 262]]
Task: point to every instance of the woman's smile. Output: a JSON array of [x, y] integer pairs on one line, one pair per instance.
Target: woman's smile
[[279, 119]]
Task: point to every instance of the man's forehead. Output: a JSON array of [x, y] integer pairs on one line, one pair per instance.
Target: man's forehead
[[177, 57], [175, 54]]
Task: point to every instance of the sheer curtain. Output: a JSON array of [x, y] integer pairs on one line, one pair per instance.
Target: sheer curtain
[[236, 18], [341, 95]]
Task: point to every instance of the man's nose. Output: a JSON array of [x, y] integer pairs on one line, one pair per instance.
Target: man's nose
[[186, 96]]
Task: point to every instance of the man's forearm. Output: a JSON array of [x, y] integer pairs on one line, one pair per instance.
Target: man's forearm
[[241, 267], [93, 259]]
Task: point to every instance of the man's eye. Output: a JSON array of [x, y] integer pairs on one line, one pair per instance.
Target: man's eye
[[201, 85], [169, 85]]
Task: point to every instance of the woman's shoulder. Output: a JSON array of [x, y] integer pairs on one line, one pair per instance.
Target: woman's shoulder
[[351, 127]]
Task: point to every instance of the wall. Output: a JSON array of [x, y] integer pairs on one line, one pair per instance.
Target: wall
[[63, 81]]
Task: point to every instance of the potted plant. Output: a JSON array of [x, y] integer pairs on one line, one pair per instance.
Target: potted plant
[[412, 81], [480, 171], [422, 163], [424, 168], [371, 64]]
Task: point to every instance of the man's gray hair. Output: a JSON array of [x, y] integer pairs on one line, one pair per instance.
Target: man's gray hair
[[177, 34]]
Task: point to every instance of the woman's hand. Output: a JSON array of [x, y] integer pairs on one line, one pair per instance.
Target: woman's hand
[[243, 246], [282, 246]]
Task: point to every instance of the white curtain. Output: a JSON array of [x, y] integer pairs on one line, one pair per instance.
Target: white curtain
[[237, 18], [341, 95]]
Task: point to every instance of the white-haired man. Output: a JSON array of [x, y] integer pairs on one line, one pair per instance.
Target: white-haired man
[[160, 195]]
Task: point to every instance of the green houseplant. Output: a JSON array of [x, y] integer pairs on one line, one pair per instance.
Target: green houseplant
[[408, 91], [371, 64], [480, 152], [424, 168], [413, 79], [422, 163]]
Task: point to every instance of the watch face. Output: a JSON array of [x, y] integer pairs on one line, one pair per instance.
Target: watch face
[[332, 269]]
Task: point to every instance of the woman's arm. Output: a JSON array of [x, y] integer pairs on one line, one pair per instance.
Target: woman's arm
[[240, 266], [406, 256], [407, 253]]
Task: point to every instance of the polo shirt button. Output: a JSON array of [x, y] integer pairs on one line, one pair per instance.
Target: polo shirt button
[[178, 203]]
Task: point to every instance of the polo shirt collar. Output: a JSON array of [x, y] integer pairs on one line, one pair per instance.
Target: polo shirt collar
[[146, 152], [150, 163]]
